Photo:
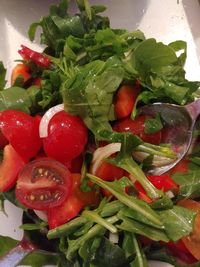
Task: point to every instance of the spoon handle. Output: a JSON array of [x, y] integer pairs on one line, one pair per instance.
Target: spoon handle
[[194, 109], [15, 256]]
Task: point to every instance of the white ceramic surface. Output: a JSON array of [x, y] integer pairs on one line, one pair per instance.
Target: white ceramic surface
[[166, 20]]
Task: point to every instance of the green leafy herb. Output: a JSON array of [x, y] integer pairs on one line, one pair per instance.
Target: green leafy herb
[[2, 76], [153, 125]]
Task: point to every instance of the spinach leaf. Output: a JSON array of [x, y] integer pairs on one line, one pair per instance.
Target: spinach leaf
[[39, 259], [2, 76], [15, 98]]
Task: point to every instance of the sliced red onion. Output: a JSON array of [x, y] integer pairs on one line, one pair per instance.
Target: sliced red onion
[[43, 128], [102, 153]]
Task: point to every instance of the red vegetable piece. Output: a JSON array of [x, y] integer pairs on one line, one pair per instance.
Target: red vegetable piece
[[67, 137], [22, 132], [38, 58], [137, 127], [43, 184], [125, 99], [73, 204], [11, 165]]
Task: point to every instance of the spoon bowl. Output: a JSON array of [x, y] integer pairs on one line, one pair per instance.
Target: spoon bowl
[[178, 123]]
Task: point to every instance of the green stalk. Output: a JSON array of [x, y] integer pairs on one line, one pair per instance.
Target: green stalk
[[96, 230], [128, 200], [108, 210], [67, 228], [157, 150], [93, 216], [132, 167]]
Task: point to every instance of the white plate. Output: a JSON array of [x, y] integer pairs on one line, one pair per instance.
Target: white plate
[[167, 21]]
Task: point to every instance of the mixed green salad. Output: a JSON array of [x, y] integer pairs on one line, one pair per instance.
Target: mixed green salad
[[76, 151]]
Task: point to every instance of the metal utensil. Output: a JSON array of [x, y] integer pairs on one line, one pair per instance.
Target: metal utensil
[[32, 241], [179, 122]]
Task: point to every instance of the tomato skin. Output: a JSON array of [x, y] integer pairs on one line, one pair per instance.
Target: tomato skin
[[109, 172], [161, 182], [38, 82], [73, 204], [22, 132], [20, 69], [67, 137], [43, 184], [125, 99], [3, 140], [137, 127], [192, 241], [182, 166], [39, 58], [179, 250], [11, 165]]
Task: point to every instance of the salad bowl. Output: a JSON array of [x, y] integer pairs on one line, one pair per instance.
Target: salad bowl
[[166, 21]]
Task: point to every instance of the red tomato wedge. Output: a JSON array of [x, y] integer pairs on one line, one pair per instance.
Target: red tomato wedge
[[125, 99], [162, 182], [109, 172], [179, 250], [67, 137], [43, 184], [22, 132], [192, 241], [20, 69], [11, 165], [137, 127], [73, 204]]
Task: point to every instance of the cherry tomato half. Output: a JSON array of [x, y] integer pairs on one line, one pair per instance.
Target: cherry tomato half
[[137, 127], [192, 241], [73, 204], [67, 137], [43, 184], [22, 132], [11, 165]]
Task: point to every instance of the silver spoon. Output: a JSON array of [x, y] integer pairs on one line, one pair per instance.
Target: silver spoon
[[179, 122]]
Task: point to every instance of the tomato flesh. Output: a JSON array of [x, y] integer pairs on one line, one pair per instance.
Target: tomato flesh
[[22, 132], [67, 137], [192, 241], [137, 127], [125, 99], [9, 168], [20, 69], [43, 184], [73, 204]]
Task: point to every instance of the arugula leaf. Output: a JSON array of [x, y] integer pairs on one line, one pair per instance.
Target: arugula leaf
[[140, 259], [178, 222], [6, 244], [130, 201], [2, 76], [125, 161], [153, 125], [90, 92], [133, 226], [189, 182]]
